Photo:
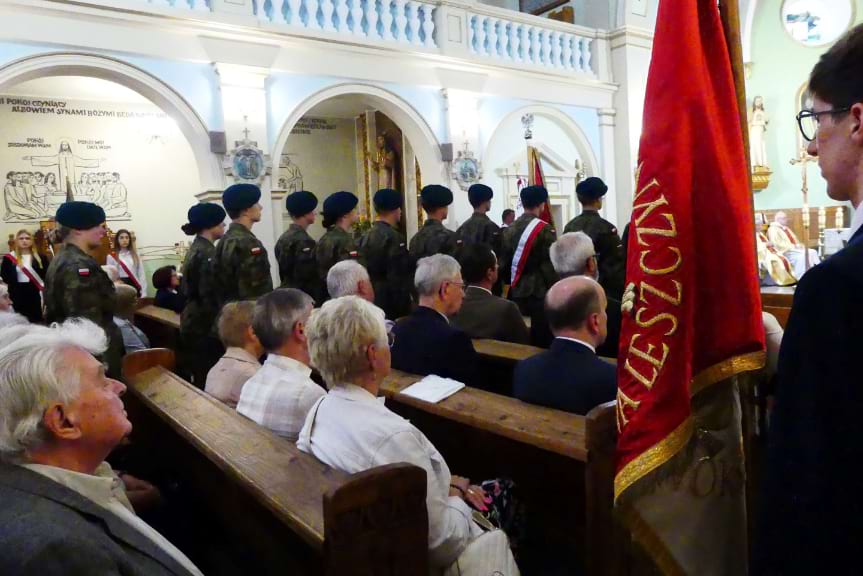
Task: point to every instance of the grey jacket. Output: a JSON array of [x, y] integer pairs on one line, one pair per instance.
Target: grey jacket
[[483, 315], [48, 529]]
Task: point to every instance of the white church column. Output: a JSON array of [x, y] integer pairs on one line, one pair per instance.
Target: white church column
[[244, 107], [611, 204], [630, 60], [463, 127]]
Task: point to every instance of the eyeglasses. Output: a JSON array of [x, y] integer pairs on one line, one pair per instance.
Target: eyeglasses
[[461, 285], [808, 121]]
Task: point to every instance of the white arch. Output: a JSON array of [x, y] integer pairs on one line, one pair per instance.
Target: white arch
[[569, 126], [422, 140], [114, 70]]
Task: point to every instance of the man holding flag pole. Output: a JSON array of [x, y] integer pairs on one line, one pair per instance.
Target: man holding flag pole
[[689, 328]]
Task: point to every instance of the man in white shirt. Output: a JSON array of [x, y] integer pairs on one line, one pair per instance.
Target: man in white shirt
[[280, 394], [570, 376], [62, 508], [786, 243]]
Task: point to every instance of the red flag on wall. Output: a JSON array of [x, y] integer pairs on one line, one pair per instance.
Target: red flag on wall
[[536, 178], [692, 308]]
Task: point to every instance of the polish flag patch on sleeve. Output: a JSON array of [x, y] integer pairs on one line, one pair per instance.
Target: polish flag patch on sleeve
[[83, 271], [352, 253], [256, 250]]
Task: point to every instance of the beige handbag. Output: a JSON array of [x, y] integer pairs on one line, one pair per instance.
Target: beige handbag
[[487, 555]]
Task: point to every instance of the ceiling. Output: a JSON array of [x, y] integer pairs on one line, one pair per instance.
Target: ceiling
[[348, 106]]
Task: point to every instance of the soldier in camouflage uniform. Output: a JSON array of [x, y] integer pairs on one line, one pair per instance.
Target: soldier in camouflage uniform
[[612, 266], [385, 252], [479, 229], [340, 213], [241, 270], [537, 275], [295, 249], [199, 349], [75, 284], [434, 237]]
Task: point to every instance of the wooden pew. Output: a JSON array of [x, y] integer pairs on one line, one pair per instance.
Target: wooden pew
[[562, 464], [162, 326], [255, 503], [777, 301]]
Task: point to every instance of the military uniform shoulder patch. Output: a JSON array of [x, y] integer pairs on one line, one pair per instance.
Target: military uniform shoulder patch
[[83, 271], [307, 249], [353, 253], [257, 250]]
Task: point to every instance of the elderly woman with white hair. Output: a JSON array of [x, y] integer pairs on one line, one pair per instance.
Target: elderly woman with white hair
[[8, 316], [64, 511], [351, 430]]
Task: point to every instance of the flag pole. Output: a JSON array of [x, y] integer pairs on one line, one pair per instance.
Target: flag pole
[[729, 13]]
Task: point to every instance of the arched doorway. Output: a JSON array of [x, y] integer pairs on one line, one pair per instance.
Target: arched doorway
[[330, 141]]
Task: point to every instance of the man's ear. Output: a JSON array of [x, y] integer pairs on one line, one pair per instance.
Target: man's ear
[[61, 423], [856, 113]]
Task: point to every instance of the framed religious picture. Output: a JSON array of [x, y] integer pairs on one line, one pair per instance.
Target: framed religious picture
[[817, 22]]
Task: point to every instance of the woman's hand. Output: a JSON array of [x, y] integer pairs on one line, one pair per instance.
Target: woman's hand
[[473, 495]]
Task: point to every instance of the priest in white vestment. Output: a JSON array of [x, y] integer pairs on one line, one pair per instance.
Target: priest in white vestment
[[786, 243]]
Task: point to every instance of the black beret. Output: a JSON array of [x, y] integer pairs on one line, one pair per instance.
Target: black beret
[[238, 197], [435, 196], [80, 215], [202, 216], [338, 204], [479, 193], [533, 196], [300, 203], [592, 188], [387, 199]]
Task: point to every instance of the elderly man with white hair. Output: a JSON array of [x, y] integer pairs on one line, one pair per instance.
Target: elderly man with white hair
[[573, 254], [351, 430], [8, 316], [62, 508], [425, 342], [786, 243], [280, 394], [350, 278]]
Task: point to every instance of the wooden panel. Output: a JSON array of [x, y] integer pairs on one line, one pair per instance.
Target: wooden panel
[[162, 315]]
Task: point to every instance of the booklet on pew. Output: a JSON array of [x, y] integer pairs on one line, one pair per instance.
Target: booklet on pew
[[433, 388]]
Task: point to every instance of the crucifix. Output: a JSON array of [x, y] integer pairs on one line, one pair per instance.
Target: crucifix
[[246, 129], [803, 159]]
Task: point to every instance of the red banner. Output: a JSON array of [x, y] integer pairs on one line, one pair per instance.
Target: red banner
[[692, 305], [536, 178]]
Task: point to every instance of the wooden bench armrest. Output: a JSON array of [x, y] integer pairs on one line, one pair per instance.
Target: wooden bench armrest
[[136, 362]]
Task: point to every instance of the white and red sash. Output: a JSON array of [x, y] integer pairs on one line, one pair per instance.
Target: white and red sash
[[790, 235], [128, 272], [27, 271], [525, 245]]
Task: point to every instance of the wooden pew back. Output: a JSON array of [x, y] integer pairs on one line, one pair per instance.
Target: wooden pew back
[[260, 505]]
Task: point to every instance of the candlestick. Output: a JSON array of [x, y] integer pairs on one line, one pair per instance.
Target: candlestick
[[822, 218], [840, 217]]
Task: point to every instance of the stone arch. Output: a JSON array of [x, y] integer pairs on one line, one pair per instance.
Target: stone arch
[[210, 174], [421, 137]]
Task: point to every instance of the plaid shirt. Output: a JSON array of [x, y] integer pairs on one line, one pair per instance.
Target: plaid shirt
[[279, 396]]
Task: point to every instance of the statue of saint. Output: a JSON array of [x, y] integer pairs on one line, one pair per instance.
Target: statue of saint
[[758, 120], [385, 163]]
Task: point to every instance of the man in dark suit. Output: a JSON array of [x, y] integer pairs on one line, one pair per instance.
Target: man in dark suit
[[63, 511], [425, 342], [573, 254], [482, 314], [569, 376], [812, 513]]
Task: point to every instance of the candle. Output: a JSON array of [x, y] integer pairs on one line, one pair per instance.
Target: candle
[[822, 218], [805, 214], [840, 217]]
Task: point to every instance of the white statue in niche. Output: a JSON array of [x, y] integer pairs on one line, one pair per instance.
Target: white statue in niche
[[758, 120]]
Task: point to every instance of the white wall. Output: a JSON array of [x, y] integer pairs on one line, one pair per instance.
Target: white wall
[[325, 151]]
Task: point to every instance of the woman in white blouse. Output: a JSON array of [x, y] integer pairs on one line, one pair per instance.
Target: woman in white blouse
[[24, 271], [351, 429], [129, 264]]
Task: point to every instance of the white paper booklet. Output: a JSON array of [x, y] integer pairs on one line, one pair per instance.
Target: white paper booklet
[[433, 388]]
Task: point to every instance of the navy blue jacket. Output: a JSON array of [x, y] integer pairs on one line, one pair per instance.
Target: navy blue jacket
[[569, 377], [425, 343], [812, 511]]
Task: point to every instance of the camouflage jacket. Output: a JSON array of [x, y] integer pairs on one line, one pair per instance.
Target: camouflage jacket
[[298, 268], [609, 249], [433, 238], [336, 245], [241, 270], [202, 304], [77, 287], [538, 274], [479, 229], [385, 252]]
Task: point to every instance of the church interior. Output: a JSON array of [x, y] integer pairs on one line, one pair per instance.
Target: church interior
[[146, 108]]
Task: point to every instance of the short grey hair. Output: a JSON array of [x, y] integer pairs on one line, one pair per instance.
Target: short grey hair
[[343, 277], [35, 373], [432, 271], [339, 333], [570, 253], [4, 289], [276, 314], [127, 299], [234, 319], [10, 319]]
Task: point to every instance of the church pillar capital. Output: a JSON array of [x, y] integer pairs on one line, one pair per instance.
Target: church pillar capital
[[606, 116]]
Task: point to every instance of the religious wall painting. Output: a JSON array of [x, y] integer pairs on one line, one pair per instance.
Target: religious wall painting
[[40, 183], [246, 162], [466, 169], [817, 22], [290, 177]]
